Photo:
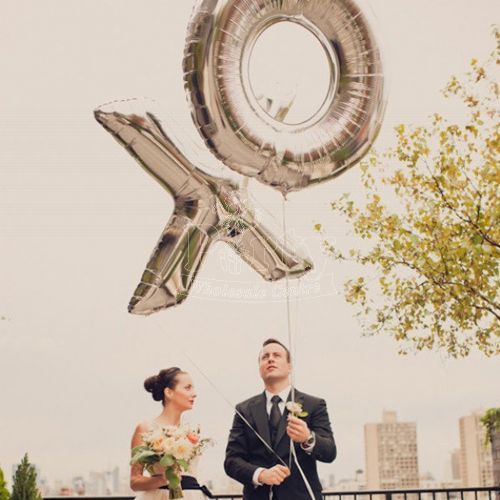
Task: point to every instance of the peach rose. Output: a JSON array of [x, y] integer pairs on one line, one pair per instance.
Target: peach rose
[[158, 444], [193, 438]]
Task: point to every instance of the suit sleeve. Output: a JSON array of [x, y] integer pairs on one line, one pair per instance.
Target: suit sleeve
[[236, 464], [325, 449]]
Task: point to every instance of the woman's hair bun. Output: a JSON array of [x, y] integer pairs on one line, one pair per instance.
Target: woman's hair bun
[[151, 385], [156, 384]]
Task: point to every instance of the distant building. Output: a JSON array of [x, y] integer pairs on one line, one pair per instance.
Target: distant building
[[125, 489], [58, 486], [78, 485], [104, 483], [391, 454], [229, 486], [476, 464], [331, 480], [427, 481], [455, 465], [358, 483], [65, 491]]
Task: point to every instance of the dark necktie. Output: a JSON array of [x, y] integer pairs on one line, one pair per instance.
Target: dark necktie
[[274, 418]]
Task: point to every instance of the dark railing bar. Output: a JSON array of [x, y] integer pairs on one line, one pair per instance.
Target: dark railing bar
[[357, 494]]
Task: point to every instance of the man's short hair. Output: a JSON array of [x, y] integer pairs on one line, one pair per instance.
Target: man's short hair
[[274, 341]]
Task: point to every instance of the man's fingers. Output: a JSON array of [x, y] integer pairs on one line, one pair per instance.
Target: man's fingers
[[282, 471], [279, 474], [283, 468], [295, 422]]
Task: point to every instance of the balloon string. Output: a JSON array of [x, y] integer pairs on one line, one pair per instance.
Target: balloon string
[[291, 344], [246, 422], [306, 482], [289, 325], [288, 318]]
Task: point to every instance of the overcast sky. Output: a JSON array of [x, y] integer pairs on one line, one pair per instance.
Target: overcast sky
[[79, 219]]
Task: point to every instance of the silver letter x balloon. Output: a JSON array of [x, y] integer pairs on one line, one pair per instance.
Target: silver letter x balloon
[[207, 209]]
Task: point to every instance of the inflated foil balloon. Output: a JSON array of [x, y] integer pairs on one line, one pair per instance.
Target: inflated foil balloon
[[207, 209], [288, 157]]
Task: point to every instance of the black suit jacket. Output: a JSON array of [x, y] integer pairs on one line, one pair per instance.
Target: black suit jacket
[[245, 453]]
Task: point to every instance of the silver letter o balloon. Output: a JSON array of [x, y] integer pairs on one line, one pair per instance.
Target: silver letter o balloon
[[288, 157]]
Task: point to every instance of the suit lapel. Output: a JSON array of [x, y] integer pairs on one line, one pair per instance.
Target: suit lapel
[[283, 421], [259, 413]]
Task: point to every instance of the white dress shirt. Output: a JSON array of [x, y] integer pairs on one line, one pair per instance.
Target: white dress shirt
[[283, 395]]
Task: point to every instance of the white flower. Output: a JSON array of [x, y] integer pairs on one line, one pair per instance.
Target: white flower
[[168, 446], [155, 440], [296, 409], [182, 449], [170, 430]]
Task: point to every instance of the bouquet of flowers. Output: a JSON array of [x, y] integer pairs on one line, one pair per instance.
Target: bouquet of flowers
[[172, 448]]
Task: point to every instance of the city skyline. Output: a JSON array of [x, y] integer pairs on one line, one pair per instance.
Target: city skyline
[[79, 218], [384, 434]]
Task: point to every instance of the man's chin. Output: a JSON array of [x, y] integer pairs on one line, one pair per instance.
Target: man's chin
[[273, 377]]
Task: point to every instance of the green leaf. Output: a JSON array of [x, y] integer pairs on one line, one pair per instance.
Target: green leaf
[[172, 477], [167, 461], [139, 448], [145, 457], [477, 239], [183, 463]]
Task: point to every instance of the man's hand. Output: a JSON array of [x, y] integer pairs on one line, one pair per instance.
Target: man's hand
[[274, 476], [297, 429]]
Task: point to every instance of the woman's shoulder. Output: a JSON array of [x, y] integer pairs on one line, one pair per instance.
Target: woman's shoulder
[[144, 426]]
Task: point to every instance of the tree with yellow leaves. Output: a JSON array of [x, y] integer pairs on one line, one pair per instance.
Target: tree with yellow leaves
[[431, 222]]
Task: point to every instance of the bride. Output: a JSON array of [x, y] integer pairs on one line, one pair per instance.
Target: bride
[[174, 388]]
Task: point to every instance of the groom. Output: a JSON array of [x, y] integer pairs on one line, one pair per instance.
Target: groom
[[252, 463]]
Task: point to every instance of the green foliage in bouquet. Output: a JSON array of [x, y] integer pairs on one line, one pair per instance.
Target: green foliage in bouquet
[[142, 454]]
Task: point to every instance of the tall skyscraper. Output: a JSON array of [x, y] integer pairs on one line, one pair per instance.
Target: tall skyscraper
[[391, 453], [476, 464], [455, 465]]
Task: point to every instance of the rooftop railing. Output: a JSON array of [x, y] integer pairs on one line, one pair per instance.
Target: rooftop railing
[[479, 493]]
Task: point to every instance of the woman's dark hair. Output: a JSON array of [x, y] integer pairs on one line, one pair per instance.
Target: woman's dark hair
[[157, 384]]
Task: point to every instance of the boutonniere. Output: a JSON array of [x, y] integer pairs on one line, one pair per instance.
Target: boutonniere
[[295, 409]]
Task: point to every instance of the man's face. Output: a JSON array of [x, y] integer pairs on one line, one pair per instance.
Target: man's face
[[273, 363]]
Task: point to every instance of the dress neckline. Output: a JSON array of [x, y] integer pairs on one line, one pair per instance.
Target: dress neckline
[[164, 426]]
